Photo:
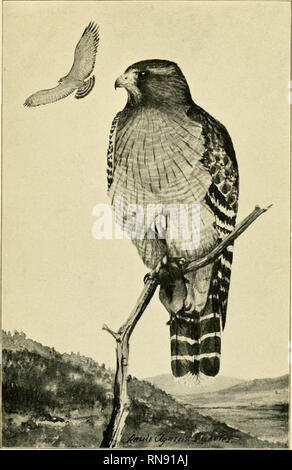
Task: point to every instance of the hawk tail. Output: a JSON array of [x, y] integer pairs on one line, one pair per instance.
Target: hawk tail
[[196, 336], [184, 344], [195, 344], [86, 88]]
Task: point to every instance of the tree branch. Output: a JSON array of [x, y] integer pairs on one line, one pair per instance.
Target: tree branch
[[121, 403], [239, 229]]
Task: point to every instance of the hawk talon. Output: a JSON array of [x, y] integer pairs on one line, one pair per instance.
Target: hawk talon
[[150, 276], [147, 277]]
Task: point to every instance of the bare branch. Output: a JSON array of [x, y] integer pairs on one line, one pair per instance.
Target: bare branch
[[121, 403], [239, 229], [111, 332]]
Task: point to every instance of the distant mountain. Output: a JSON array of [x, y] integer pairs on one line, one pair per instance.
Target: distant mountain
[[178, 387], [259, 407], [257, 392], [65, 400], [261, 385]]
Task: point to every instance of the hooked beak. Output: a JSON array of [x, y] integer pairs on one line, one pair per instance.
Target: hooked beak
[[129, 81], [117, 83], [125, 80]]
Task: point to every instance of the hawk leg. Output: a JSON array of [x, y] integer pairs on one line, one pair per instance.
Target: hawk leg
[[173, 290]]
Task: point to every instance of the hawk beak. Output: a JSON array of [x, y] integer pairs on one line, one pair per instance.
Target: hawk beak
[[117, 83], [125, 80]]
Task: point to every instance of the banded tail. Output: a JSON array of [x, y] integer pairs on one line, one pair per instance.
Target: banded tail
[[86, 88], [195, 344], [196, 336]]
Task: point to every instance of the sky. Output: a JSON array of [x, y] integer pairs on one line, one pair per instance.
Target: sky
[[60, 284]]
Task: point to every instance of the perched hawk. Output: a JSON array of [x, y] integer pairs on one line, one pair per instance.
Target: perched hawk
[[77, 78], [165, 149]]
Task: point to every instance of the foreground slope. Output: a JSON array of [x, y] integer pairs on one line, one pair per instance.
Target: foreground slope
[[64, 400]]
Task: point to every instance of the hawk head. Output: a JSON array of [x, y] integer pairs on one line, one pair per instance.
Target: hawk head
[[155, 82]]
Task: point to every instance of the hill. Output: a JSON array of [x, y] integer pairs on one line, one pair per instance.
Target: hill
[[257, 392], [179, 388], [259, 407], [64, 401]]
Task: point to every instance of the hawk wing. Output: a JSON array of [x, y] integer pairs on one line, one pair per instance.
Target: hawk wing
[[196, 336], [222, 198], [111, 151], [85, 53], [51, 95]]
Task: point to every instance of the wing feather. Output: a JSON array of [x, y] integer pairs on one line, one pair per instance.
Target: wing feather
[[50, 96], [85, 53], [111, 151], [222, 198]]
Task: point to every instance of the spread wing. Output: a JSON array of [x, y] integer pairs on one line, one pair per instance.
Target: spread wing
[[85, 53], [51, 95]]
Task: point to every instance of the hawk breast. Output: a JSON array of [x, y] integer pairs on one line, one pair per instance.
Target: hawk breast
[[157, 158]]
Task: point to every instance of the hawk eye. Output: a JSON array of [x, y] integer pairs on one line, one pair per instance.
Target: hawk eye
[[142, 74]]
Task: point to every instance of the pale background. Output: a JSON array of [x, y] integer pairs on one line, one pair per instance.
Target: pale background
[[60, 284]]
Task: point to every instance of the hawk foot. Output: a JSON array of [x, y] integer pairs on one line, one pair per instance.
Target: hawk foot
[[149, 276], [170, 270]]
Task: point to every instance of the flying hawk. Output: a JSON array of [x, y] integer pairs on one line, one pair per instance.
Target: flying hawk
[[165, 149], [77, 78]]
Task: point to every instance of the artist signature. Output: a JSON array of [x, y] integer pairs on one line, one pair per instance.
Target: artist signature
[[160, 439]]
